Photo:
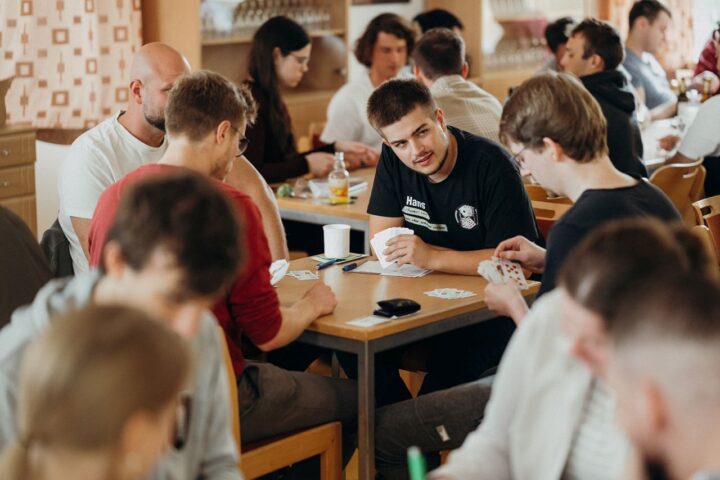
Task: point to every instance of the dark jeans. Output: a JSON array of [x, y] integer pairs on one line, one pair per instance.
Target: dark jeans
[[274, 401], [433, 422]]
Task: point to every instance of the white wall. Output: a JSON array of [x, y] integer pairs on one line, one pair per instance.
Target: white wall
[[360, 16]]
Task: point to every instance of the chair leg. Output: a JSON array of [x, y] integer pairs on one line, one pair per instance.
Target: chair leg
[[331, 458]]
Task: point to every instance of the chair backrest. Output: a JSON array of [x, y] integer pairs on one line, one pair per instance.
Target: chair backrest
[[705, 208], [538, 193], [56, 248], [546, 214], [315, 129], [681, 182], [232, 385], [711, 244]]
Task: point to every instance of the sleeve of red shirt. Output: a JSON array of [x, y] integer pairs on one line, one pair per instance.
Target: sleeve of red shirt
[[101, 221], [253, 304], [707, 60]]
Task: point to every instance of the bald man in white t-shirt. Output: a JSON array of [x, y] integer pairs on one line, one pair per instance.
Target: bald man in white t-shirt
[[118, 145]]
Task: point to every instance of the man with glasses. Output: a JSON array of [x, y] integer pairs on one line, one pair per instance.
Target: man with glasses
[[557, 132], [206, 116]]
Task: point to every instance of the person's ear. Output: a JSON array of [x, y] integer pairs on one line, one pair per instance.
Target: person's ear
[[597, 62], [556, 151], [222, 131], [656, 407], [465, 70], [440, 117], [112, 259], [136, 91], [416, 71]]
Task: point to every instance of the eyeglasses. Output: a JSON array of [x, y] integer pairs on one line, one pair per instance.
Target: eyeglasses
[[518, 160], [300, 60], [242, 143]]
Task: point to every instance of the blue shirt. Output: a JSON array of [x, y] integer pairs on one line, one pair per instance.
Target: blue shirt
[[647, 73]]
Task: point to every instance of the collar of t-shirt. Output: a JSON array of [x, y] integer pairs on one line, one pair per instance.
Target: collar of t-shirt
[[136, 143], [445, 83]]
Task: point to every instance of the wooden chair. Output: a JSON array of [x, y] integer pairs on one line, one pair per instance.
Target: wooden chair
[[711, 243], [547, 214], [315, 129], [539, 194], [706, 208], [273, 454], [683, 184]]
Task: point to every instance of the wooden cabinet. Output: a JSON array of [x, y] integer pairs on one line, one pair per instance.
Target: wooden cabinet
[[17, 172], [178, 24]]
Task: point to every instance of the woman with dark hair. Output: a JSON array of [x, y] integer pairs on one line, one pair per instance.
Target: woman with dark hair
[[279, 56]]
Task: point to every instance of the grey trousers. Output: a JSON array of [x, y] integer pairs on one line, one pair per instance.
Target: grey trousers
[[274, 401], [433, 422]]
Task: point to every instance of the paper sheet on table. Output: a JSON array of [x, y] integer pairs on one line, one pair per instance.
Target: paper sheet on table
[[380, 239], [407, 270], [369, 321]]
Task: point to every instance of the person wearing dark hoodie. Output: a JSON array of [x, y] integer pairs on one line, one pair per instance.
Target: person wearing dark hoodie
[[593, 53]]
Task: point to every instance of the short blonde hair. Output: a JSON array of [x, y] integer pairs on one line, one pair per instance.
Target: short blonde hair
[[556, 106], [83, 378]]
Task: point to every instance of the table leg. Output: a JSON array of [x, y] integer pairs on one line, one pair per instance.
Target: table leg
[[366, 412]]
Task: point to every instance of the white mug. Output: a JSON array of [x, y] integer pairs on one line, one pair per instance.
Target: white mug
[[337, 240]]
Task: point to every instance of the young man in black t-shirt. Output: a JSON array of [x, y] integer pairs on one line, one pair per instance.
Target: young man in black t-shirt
[[558, 132], [460, 193]]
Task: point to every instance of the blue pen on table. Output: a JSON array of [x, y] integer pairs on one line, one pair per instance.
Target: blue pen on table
[[326, 263], [349, 267]]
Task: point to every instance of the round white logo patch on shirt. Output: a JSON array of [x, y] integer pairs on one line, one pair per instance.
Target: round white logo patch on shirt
[[466, 216]]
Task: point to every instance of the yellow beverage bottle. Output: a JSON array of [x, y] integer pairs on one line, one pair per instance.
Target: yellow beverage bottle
[[339, 181]]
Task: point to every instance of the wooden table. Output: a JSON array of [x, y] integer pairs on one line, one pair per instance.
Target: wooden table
[[316, 212], [357, 295]]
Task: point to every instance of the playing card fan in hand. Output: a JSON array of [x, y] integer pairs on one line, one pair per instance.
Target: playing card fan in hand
[[499, 271]]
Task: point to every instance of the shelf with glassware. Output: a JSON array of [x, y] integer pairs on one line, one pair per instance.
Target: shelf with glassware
[[510, 45], [217, 35]]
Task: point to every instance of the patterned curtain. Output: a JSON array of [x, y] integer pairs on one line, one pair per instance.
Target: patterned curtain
[[70, 59], [677, 53]]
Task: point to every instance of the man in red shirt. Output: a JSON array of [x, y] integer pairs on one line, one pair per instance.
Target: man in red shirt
[[205, 120]]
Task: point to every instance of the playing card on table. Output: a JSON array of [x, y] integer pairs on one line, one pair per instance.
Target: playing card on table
[[449, 293], [380, 239], [303, 275]]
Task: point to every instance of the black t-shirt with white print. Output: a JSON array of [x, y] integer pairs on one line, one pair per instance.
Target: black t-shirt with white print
[[481, 203]]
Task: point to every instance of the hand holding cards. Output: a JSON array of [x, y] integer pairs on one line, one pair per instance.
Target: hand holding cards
[[499, 271], [379, 242]]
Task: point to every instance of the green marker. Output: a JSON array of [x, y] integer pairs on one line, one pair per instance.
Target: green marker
[[416, 464]]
